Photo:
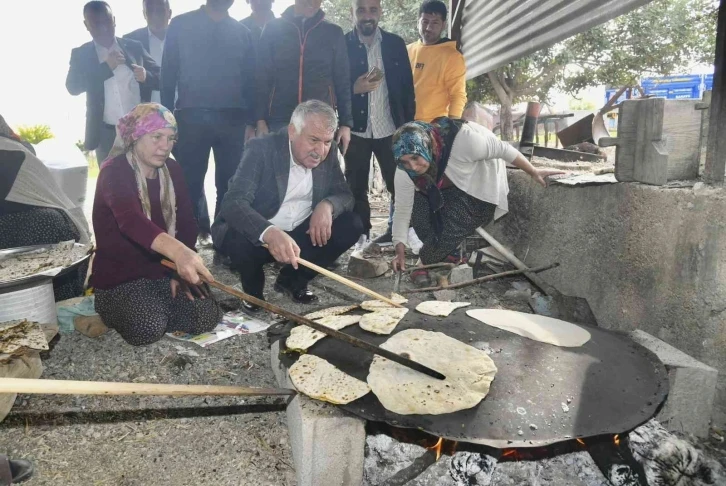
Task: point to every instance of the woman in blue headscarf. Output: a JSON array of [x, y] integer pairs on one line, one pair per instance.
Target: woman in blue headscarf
[[451, 179]]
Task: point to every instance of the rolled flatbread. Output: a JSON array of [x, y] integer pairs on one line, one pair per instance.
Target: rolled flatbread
[[539, 328], [331, 311], [319, 379], [302, 337], [383, 321], [438, 308], [469, 373]]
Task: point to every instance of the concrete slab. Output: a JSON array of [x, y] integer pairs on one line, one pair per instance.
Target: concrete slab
[[328, 444], [462, 273], [692, 387]]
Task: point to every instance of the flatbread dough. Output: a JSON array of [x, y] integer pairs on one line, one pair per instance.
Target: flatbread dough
[[539, 328], [318, 379], [374, 305], [469, 373], [58, 256], [302, 337], [438, 308], [331, 311], [17, 337], [383, 321]]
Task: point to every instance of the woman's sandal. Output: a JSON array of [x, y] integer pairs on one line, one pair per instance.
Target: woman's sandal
[[13, 471]]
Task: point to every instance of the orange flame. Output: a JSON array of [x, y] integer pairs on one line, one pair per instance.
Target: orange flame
[[580, 441], [616, 439], [437, 447]]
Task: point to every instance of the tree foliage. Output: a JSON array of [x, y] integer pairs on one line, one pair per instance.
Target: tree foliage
[[35, 133], [662, 38], [399, 16]]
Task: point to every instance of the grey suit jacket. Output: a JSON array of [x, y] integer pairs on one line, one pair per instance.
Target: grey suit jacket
[[142, 35], [258, 188], [87, 75]]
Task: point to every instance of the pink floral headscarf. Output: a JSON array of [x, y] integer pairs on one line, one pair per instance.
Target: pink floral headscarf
[[147, 118]]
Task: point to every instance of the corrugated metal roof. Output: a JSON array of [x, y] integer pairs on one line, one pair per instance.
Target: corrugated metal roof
[[496, 32]]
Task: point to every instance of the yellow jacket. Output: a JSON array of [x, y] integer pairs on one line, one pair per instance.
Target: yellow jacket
[[439, 79]]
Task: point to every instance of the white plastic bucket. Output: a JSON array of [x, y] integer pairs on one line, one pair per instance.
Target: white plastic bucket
[[35, 303]]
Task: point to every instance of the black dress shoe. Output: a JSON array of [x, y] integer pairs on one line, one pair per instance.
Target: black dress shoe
[[301, 296], [249, 307]]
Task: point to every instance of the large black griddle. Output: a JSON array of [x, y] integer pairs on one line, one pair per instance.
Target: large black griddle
[[542, 394]]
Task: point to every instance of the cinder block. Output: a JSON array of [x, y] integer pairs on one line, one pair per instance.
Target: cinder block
[[328, 444], [692, 387], [462, 273]]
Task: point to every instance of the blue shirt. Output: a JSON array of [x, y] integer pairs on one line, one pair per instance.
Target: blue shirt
[[211, 64]]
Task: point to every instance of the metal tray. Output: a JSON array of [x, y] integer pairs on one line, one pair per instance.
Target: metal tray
[[41, 276]]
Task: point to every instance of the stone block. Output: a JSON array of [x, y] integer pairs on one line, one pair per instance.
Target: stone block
[[692, 387], [445, 295], [366, 267], [327, 443], [461, 274]]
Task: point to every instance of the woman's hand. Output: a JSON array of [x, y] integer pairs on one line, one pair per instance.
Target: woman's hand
[[399, 262], [539, 175], [189, 266], [190, 291]]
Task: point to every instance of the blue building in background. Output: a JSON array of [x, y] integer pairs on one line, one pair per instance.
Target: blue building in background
[[687, 86]]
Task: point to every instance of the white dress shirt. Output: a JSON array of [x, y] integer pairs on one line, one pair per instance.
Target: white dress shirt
[[121, 91], [477, 166], [156, 50], [298, 203]]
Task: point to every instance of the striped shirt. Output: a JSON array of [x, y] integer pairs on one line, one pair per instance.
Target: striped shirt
[[380, 122]]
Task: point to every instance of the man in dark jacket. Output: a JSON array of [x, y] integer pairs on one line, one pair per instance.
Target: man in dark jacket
[[383, 100], [209, 62], [302, 57], [290, 194], [116, 75], [261, 14]]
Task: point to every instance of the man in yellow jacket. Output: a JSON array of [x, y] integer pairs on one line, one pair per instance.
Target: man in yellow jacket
[[439, 72]]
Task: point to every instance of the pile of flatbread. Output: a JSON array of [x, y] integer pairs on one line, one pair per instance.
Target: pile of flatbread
[[19, 337], [25, 264]]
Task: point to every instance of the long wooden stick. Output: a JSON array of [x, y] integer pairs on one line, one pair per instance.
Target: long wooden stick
[[483, 279], [345, 281], [68, 387], [341, 336]]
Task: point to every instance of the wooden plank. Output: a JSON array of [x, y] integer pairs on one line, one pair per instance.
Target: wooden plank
[[716, 153], [682, 134]]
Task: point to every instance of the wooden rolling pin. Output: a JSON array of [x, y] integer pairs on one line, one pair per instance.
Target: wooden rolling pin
[[68, 387]]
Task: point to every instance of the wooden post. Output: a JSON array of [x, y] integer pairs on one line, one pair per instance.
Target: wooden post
[[716, 152]]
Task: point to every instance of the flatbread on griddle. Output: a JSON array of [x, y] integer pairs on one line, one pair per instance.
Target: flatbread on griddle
[[469, 373], [539, 328], [302, 337], [438, 308], [331, 311], [382, 321], [374, 305], [316, 378]]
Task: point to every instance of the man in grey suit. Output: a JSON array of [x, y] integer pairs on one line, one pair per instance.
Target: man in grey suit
[[289, 193], [116, 75]]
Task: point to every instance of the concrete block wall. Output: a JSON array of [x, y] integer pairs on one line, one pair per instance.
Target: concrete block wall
[[645, 257]]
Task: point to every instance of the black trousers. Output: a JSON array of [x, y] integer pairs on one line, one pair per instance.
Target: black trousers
[[200, 131], [249, 259], [107, 136], [357, 168]]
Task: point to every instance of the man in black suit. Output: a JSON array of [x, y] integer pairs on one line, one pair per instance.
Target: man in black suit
[[261, 14], [112, 72], [383, 100], [290, 194], [157, 14]]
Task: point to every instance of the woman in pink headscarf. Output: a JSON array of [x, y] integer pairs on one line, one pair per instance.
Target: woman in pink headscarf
[[141, 214]]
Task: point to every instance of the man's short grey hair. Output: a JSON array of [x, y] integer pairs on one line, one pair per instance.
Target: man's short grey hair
[[314, 107]]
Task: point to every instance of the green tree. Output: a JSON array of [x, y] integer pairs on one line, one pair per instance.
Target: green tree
[[34, 133], [399, 16], [661, 38]]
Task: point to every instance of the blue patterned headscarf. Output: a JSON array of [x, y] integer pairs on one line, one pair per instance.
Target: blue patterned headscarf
[[433, 142]]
